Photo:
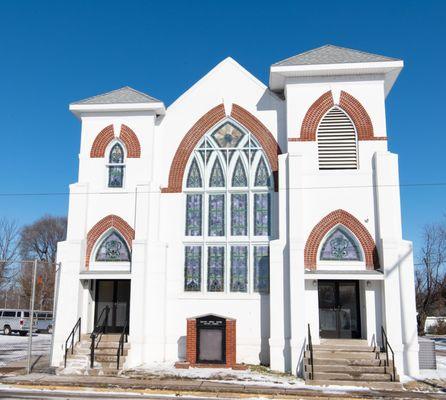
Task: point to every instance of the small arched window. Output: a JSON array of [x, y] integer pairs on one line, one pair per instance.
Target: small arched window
[[113, 248], [337, 141], [116, 166], [340, 245]]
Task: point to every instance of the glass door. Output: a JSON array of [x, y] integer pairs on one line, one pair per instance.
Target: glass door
[[339, 309], [114, 294]]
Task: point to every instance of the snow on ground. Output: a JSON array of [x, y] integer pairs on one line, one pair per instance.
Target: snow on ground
[[224, 375], [15, 347]]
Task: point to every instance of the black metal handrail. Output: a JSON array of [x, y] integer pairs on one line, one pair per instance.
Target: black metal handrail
[[120, 351], [386, 346], [310, 348], [77, 325], [97, 333]]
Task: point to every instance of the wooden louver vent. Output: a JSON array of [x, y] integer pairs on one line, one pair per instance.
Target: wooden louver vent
[[336, 141]]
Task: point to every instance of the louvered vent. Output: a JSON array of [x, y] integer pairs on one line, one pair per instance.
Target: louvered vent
[[336, 141]]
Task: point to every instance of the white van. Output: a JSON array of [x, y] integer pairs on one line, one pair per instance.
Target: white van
[[15, 321], [44, 321]]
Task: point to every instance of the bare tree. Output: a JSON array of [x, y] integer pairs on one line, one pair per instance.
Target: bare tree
[[430, 275], [9, 242], [38, 241]]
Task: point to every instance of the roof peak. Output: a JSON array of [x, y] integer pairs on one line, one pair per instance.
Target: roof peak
[[331, 54], [123, 95]]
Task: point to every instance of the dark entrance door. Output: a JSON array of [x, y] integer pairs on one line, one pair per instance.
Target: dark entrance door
[[339, 309], [211, 340], [116, 295]]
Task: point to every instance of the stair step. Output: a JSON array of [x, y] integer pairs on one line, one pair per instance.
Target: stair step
[[108, 337], [358, 376], [371, 385], [102, 345], [348, 369], [100, 351], [345, 355], [327, 347], [346, 361]]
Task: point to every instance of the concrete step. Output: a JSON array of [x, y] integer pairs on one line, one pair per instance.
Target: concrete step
[[349, 369], [107, 358], [357, 355], [371, 385], [100, 351], [326, 347], [108, 337], [346, 361], [105, 365], [358, 376], [107, 343]]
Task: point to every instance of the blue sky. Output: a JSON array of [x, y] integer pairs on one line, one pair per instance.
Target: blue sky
[[53, 53]]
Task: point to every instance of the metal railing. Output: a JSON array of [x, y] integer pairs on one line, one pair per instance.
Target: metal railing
[[97, 333], [310, 348], [385, 347], [120, 352], [71, 336]]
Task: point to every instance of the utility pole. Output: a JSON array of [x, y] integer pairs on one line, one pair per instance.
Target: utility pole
[[31, 317]]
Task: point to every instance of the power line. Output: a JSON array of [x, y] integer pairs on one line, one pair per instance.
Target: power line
[[27, 194]]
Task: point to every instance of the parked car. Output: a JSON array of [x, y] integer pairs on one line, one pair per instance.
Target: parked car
[[15, 321], [44, 321]]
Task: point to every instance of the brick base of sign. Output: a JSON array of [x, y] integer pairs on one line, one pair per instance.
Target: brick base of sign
[[191, 346]]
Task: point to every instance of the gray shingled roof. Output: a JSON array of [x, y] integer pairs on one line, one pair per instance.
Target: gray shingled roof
[[120, 96], [330, 54]]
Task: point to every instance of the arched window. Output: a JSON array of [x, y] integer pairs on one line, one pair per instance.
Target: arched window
[[113, 248], [228, 199], [116, 166], [340, 245], [337, 141]]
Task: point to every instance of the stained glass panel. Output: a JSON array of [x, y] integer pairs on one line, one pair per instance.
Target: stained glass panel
[[193, 214], [116, 154], [262, 176], [239, 214], [216, 215], [261, 214], [239, 176], [194, 176], [192, 269], [113, 248], [340, 246], [217, 179], [239, 268], [216, 268], [261, 269], [228, 135], [115, 177]]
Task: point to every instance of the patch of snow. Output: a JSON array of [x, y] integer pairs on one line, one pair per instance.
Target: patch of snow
[[15, 347]]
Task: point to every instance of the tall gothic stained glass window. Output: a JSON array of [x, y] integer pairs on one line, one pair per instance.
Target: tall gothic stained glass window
[[340, 245], [261, 214], [216, 215], [194, 211], [239, 268], [216, 268], [239, 176], [261, 269], [217, 179], [239, 214], [192, 269], [227, 188], [113, 248], [116, 166], [194, 176]]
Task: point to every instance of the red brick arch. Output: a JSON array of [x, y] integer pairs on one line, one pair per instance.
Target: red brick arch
[[110, 221], [131, 142], [203, 125], [340, 217], [349, 104], [102, 140]]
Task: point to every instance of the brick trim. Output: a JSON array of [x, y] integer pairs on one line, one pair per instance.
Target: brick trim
[[101, 142], [110, 221], [230, 343], [314, 114], [203, 125], [191, 341], [340, 217], [264, 137], [131, 142], [358, 114]]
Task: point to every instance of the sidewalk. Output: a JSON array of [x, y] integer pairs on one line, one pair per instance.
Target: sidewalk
[[203, 387]]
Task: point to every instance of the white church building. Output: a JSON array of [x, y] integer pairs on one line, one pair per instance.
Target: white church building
[[223, 228]]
